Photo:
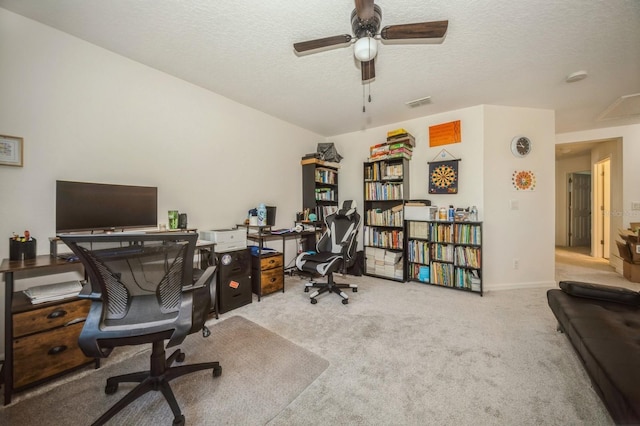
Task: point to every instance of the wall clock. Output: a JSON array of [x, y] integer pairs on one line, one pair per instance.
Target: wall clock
[[520, 146]]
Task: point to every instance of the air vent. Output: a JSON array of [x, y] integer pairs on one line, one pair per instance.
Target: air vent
[[418, 102], [623, 107]]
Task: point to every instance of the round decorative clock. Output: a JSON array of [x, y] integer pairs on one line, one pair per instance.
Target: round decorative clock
[[520, 146]]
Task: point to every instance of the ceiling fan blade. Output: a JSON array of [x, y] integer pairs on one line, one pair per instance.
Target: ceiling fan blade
[[368, 70], [303, 46], [434, 29], [364, 9]]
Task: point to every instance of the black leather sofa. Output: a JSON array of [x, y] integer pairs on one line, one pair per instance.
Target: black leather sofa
[[603, 325]]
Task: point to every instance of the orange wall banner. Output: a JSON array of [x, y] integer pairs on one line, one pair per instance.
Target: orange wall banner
[[445, 134]]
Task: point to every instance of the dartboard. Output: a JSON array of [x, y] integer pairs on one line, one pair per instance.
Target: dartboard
[[443, 178]]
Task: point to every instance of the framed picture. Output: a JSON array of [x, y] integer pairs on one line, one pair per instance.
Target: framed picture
[[11, 151]]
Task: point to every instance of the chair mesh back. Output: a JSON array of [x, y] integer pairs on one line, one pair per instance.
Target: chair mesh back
[[117, 300], [125, 272], [169, 290]]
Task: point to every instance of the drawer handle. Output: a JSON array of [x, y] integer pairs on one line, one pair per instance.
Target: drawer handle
[[57, 350], [272, 261], [273, 280], [75, 321], [57, 314]]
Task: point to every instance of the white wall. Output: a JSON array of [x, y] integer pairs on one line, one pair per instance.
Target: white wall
[[525, 233], [87, 114]]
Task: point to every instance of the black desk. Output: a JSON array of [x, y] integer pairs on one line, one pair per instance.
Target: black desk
[[262, 235]]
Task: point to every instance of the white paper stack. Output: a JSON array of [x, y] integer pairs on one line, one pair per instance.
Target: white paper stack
[[57, 291]]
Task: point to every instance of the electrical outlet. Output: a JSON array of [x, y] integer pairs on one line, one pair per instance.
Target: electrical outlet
[[516, 263], [635, 205]]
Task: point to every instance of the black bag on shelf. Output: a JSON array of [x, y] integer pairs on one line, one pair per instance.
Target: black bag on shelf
[[328, 152]]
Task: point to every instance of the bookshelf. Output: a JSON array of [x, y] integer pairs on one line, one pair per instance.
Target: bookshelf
[[443, 253], [386, 187], [319, 187]]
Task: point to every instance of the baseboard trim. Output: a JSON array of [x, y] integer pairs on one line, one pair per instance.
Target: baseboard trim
[[516, 286]]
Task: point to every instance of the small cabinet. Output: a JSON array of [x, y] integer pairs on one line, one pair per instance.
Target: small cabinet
[[267, 273], [45, 338]]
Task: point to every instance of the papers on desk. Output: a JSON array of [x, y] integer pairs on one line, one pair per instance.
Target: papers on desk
[[50, 292], [281, 231]]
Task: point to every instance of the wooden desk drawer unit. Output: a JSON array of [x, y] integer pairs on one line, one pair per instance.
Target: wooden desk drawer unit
[[45, 338], [43, 355], [49, 317], [267, 274]]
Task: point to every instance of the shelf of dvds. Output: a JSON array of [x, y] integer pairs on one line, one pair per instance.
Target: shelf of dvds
[[443, 253], [386, 187]]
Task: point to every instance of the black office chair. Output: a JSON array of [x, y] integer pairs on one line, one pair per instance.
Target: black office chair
[[142, 290], [336, 250]]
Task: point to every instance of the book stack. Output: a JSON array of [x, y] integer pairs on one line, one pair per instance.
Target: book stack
[[384, 263], [392, 264], [399, 144]]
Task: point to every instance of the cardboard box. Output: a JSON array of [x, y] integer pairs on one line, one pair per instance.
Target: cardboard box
[[634, 249], [629, 251], [631, 271]]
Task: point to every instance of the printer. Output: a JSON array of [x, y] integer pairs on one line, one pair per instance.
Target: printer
[[226, 239]]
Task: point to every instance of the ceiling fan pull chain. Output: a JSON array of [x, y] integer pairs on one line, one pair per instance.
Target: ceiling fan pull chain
[[363, 109]]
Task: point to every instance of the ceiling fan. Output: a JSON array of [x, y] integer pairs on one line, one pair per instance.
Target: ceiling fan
[[365, 22]]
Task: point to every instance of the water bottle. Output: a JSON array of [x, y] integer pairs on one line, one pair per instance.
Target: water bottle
[[473, 214], [450, 213], [262, 215]]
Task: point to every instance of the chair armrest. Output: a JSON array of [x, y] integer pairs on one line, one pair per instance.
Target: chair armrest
[[88, 293], [203, 281]]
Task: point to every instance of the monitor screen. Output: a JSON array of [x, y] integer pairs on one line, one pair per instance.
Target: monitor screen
[[85, 206]]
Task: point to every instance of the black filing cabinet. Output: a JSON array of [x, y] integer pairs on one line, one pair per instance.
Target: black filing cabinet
[[233, 279]]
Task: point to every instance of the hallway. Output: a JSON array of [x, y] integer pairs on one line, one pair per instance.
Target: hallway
[[575, 264]]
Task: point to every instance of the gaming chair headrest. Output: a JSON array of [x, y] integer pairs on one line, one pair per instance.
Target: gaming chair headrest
[[348, 208]]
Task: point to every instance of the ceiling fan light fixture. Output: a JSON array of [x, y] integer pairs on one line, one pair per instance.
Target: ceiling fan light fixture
[[365, 49]]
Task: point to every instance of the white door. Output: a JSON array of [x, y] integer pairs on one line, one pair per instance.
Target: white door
[[603, 207]]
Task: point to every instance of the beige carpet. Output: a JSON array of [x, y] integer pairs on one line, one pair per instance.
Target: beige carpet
[[262, 373]]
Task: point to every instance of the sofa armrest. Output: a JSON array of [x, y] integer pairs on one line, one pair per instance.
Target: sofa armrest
[[601, 292]]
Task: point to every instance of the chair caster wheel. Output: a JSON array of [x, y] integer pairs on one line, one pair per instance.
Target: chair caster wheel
[[355, 289], [345, 301], [306, 289], [217, 371], [181, 357], [179, 421], [111, 389], [314, 301]]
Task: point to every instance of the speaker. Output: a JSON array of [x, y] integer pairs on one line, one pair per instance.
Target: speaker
[[233, 279], [182, 221]]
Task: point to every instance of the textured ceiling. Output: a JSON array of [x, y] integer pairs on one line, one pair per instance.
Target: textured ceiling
[[502, 52]]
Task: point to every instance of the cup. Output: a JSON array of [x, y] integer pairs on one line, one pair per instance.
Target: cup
[[162, 227], [173, 219]]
